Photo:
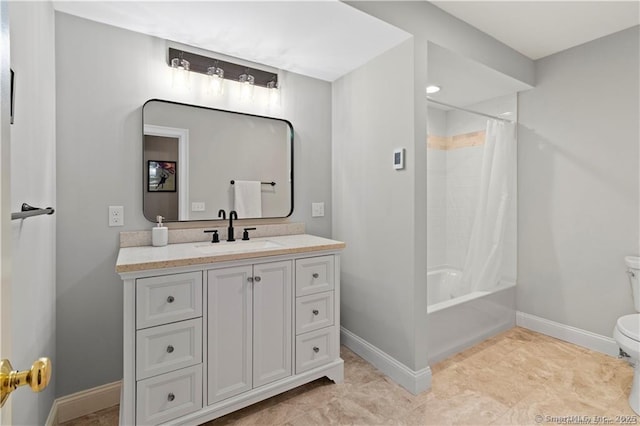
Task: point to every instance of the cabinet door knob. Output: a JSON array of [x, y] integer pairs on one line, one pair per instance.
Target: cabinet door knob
[[169, 349], [315, 275], [316, 349], [315, 312], [250, 279], [171, 397], [170, 299], [258, 279]]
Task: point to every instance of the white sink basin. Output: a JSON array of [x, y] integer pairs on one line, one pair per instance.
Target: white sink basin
[[237, 246]]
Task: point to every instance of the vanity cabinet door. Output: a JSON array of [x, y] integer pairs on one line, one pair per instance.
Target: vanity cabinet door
[[229, 332], [272, 324]]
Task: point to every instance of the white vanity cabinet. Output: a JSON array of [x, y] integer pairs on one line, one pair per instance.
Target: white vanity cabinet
[[168, 346], [249, 327], [207, 337]]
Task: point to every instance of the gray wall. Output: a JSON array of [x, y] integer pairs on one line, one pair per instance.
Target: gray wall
[[578, 184], [374, 204], [104, 75], [33, 181]]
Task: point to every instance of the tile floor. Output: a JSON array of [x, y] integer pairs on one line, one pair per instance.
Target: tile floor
[[511, 379]]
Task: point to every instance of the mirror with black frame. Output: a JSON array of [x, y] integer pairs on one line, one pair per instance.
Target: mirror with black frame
[[198, 160]]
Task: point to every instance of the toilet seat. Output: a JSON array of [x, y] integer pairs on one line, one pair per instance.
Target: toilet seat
[[629, 325]]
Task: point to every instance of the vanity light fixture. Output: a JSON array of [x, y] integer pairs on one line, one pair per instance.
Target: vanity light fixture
[[248, 81], [216, 80], [432, 89], [222, 70], [180, 73]]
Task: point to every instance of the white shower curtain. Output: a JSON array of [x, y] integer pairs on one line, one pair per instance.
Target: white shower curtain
[[483, 263]]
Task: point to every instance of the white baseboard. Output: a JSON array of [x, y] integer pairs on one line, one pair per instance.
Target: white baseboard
[[82, 403], [577, 336], [413, 381]]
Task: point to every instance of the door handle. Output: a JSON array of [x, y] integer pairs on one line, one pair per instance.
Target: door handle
[[37, 377]]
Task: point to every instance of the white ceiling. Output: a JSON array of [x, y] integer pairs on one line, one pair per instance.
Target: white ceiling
[[326, 39], [541, 28], [321, 39]]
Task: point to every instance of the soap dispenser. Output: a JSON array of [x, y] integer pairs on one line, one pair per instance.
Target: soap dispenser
[[159, 234]]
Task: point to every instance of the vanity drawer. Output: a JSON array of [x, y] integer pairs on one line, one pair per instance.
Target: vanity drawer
[[315, 349], [168, 347], [314, 312], [168, 298], [314, 275], [166, 397]]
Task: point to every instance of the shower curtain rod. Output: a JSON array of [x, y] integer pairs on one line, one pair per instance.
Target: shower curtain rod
[[468, 110]]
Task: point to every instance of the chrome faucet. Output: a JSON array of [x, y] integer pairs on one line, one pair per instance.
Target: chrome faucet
[[232, 215]]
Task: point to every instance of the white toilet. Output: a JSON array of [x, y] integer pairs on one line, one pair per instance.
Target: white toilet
[[627, 331]]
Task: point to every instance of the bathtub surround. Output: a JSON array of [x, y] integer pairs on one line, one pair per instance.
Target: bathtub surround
[[459, 323], [465, 140], [99, 126]]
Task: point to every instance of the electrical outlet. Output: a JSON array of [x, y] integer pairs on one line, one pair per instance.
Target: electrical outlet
[[317, 209], [197, 207], [116, 216]]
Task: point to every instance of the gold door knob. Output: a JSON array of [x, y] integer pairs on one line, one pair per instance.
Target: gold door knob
[[37, 377]]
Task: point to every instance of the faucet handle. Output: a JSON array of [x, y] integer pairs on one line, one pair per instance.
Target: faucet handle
[[222, 214], [214, 238], [245, 234]]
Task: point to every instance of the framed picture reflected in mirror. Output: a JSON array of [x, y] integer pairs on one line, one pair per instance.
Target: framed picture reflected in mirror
[[161, 176]]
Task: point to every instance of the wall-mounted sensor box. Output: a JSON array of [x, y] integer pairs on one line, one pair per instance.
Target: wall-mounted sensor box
[[398, 159]]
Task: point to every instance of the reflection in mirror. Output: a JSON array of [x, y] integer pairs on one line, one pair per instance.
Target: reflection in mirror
[[199, 160]]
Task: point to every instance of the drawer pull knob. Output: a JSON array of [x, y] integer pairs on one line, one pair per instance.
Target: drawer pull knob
[[250, 279], [258, 279], [170, 299], [171, 397], [315, 275], [316, 349], [169, 349], [315, 312]]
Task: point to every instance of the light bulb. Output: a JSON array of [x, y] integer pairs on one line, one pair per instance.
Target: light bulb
[[180, 74], [274, 93], [246, 91], [216, 80]]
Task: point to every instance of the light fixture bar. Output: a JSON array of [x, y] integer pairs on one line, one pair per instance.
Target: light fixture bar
[[201, 64]]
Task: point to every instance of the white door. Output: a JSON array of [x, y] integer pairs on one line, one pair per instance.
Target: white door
[[5, 202], [19, 307], [272, 325]]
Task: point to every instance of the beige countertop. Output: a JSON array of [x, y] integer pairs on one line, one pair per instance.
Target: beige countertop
[[132, 259]]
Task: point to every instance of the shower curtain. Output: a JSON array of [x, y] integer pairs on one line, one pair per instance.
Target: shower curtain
[[483, 264]]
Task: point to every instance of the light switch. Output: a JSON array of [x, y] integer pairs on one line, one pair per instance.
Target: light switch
[[317, 209]]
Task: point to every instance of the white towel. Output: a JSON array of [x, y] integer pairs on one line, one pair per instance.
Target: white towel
[[248, 198]]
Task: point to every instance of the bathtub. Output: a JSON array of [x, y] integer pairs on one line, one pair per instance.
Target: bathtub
[[457, 323]]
